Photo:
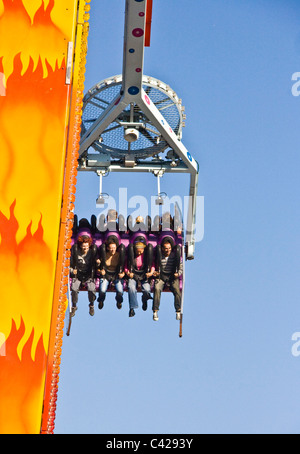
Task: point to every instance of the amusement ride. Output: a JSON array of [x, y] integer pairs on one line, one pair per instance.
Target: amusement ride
[[129, 123]]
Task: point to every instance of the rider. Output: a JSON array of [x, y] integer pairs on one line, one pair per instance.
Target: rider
[[82, 270], [168, 272], [112, 260], [139, 270]]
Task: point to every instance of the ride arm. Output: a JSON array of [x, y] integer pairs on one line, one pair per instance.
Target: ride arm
[[107, 117], [191, 217]]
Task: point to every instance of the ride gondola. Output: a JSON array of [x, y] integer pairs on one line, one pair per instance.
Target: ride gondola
[[133, 123], [151, 234]]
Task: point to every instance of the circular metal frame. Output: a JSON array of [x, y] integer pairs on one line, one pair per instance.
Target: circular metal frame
[[149, 141]]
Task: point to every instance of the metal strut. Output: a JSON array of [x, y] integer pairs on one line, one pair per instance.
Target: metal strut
[[101, 198], [182, 291]]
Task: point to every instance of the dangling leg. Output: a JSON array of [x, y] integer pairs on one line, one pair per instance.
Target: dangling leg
[[175, 289], [159, 285], [91, 286], [74, 294], [119, 292], [146, 289], [132, 296], [102, 292]]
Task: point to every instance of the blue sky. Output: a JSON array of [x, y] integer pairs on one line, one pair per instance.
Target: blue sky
[[233, 370]]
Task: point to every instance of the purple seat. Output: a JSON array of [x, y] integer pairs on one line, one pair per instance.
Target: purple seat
[[153, 238]]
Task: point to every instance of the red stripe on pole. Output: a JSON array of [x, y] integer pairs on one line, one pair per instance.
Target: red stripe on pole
[[148, 22]]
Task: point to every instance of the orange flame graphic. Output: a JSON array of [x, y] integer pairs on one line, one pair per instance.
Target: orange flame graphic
[[28, 266], [19, 264], [34, 30], [34, 117], [20, 384]]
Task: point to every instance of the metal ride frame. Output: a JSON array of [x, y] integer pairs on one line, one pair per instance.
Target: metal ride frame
[[137, 28]]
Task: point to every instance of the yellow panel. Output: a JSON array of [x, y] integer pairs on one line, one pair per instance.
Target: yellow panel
[[34, 117]]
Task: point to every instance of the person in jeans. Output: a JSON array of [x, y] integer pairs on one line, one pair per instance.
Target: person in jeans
[[169, 270], [82, 270], [112, 261], [139, 270]]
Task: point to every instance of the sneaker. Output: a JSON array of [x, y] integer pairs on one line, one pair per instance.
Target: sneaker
[[145, 298], [119, 299], [178, 315], [92, 310], [155, 316], [131, 313]]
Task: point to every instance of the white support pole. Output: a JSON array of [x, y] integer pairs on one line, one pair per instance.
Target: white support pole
[[191, 217], [134, 41], [158, 184], [156, 118], [100, 183]]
